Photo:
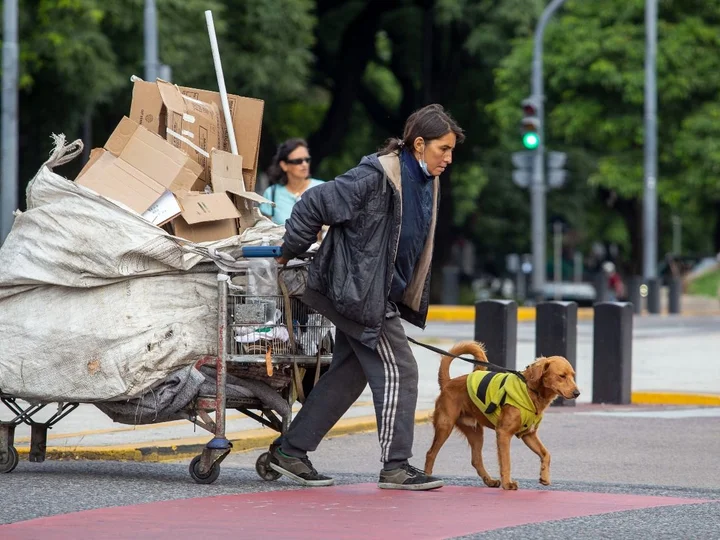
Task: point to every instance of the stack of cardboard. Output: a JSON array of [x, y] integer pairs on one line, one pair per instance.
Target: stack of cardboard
[[170, 162]]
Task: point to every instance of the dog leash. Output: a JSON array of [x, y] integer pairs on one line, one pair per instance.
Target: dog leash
[[491, 367]]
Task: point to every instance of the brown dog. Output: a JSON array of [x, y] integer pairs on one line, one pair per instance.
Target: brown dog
[[517, 413]]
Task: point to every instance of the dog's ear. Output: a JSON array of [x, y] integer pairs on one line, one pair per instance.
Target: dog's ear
[[534, 372]]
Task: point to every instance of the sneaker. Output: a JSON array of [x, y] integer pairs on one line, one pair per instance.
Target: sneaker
[[298, 469], [408, 477]]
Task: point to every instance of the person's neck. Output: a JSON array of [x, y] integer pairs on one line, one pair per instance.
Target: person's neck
[[296, 184]]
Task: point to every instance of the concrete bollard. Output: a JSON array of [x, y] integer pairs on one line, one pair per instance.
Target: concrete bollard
[[612, 353], [496, 327], [556, 334], [653, 298], [674, 295]]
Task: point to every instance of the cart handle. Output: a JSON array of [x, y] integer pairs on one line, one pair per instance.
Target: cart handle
[[261, 251]]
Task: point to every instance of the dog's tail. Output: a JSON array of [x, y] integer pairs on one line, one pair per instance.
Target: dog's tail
[[476, 349]]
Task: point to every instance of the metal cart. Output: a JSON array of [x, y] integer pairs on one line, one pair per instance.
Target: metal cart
[[275, 338]]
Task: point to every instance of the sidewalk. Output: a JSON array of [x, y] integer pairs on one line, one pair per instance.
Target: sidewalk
[[668, 368], [691, 305]]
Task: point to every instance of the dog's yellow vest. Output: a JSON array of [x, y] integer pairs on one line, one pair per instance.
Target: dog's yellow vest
[[490, 391]]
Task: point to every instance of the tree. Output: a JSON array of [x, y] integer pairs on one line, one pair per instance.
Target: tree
[[77, 57], [594, 79]]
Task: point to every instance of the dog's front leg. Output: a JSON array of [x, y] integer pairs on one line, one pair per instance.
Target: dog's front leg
[[533, 443], [503, 442], [508, 424]]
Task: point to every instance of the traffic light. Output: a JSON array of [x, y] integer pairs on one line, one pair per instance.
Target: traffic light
[[530, 124]]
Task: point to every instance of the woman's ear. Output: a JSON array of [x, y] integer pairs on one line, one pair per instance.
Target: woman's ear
[[419, 145], [283, 166]]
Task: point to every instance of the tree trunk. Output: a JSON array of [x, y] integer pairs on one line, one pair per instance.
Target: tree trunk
[[357, 48], [631, 212]]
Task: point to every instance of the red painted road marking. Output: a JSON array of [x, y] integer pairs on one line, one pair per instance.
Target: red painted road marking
[[359, 511]]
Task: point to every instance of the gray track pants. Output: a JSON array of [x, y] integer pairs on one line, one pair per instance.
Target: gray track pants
[[392, 373]]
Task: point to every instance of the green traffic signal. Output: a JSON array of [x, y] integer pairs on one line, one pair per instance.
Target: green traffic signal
[[531, 140]]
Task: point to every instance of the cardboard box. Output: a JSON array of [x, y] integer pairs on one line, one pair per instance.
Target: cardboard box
[[192, 126], [226, 212], [227, 176], [137, 168], [247, 114], [206, 217]]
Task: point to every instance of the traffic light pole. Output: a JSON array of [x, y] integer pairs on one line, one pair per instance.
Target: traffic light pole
[[650, 193], [537, 188]]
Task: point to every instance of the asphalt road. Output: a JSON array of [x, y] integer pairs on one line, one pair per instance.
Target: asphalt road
[[668, 452]]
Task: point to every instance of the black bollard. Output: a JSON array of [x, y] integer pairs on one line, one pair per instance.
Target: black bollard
[[653, 299], [612, 353], [451, 285], [496, 328], [674, 295], [556, 334], [635, 296]]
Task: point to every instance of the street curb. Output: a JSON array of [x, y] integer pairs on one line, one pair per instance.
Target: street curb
[[675, 398], [178, 449], [440, 313]]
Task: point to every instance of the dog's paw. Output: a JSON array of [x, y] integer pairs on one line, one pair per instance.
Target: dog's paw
[[491, 482], [545, 481], [511, 486]]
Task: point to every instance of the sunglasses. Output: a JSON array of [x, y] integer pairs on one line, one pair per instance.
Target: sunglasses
[[298, 161]]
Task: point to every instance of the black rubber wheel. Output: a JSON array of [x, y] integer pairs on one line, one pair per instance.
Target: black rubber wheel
[[10, 462], [208, 478], [262, 466]]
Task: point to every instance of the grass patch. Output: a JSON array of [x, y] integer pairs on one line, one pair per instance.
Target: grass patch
[[706, 285]]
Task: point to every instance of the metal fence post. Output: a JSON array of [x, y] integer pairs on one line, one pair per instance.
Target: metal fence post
[[496, 328], [556, 334], [612, 353], [674, 295]]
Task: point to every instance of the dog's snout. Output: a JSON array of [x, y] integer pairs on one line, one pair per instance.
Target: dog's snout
[[576, 393]]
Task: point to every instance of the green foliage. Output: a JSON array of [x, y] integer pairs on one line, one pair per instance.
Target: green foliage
[[473, 56], [708, 284], [594, 81]]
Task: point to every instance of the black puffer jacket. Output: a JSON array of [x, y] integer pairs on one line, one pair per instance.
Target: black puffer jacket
[[350, 277]]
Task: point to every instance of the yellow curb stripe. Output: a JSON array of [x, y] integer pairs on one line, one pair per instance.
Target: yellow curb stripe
[[675, 398], [467, 314], [176, 449], [439, 313]]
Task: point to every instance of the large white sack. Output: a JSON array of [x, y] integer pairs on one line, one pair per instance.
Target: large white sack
[[98, 304]]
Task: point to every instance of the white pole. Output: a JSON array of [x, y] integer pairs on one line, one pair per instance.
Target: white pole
[[9, 179], [151, 41], [221, 81]]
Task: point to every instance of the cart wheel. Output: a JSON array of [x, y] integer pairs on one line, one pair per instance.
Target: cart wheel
[[262, 466], [207, 478], [10, 461]]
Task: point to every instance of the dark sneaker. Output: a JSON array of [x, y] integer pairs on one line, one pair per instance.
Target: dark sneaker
[[408, 477], [298, 469]]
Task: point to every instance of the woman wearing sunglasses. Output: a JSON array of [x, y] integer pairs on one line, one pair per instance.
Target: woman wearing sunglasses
[[289, 177]]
